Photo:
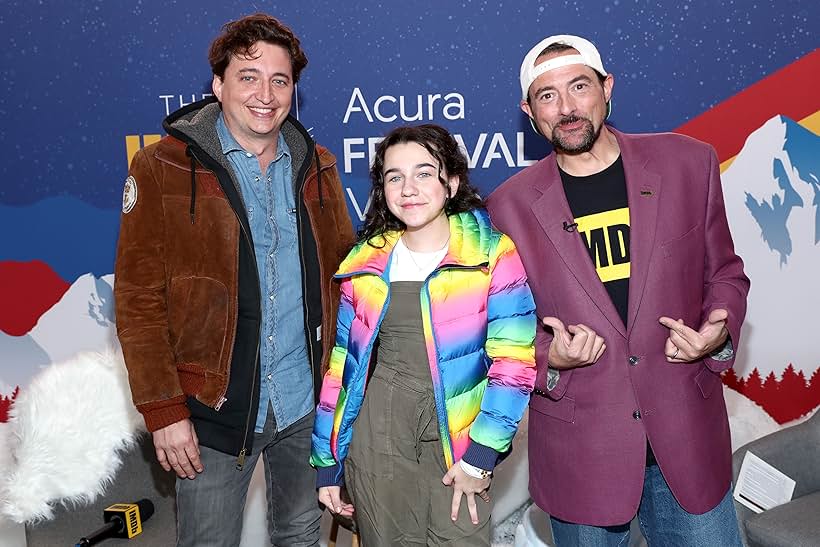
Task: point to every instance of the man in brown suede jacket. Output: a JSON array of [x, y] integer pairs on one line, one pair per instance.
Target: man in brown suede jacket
[[232, 228]]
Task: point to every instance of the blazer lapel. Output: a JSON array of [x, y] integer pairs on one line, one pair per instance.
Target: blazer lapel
[[552, 210], [643, 187]]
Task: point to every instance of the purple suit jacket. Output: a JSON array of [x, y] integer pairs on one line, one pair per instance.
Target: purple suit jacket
[[587, 442]]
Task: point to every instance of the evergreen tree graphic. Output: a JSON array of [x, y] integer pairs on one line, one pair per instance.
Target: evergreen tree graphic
[[754, 388], [793, 396], [731, 380], [784, 399], [5, 405], [769, 398]]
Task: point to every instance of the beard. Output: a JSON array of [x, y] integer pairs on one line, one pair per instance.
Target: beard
[[588, 136]]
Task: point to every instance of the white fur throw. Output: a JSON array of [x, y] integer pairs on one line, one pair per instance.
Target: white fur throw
[[65, 433]]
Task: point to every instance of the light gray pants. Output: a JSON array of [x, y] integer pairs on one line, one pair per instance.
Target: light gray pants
[[210, 507]]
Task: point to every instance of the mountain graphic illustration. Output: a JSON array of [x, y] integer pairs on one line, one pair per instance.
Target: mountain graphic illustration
[[83, 319], [797, 177], [771, 194]]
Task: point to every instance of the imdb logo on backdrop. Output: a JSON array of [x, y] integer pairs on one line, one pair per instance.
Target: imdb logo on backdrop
[[135, 142]]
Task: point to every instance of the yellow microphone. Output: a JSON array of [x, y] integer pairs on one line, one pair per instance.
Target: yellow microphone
[[123, 520]]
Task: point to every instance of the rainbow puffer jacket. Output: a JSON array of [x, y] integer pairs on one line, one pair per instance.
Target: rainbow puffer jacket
[[479, 321]]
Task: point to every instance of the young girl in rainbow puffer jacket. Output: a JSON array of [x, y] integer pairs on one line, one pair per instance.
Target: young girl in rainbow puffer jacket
[[437, 323]]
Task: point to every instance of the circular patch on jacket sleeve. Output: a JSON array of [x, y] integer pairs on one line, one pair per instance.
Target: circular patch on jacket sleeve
[[129, 194]]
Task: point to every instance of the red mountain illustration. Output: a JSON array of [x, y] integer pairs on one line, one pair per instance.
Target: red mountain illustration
[[27, 290]]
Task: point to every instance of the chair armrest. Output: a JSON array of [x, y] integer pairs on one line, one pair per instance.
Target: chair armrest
[[794, 450]]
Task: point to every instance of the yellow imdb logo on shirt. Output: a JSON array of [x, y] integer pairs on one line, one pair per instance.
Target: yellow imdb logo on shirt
[[132, 144], [606, 236]]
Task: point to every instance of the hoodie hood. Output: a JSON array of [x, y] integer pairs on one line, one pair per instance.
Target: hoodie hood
[[195, 125]]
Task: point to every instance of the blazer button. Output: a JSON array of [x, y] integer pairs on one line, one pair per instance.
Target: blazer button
[[633, 360], [637, 414]]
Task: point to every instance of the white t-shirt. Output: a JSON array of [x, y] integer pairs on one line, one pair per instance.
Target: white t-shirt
[[407, 265]]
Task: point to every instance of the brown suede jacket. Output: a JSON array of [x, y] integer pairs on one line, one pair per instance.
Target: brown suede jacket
[[185, 266]]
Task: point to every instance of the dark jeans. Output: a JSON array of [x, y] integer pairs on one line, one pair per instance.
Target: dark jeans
[[210, 507]]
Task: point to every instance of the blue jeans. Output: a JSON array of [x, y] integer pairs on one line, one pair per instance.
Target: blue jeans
[[210, 507], [663, 522]]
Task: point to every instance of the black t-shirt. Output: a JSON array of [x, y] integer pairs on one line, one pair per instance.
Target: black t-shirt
[[600, 208]]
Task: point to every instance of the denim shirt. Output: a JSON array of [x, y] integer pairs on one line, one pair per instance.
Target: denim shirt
[[286, 380]]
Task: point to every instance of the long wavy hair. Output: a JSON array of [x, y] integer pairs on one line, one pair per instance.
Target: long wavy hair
[[444, 149]]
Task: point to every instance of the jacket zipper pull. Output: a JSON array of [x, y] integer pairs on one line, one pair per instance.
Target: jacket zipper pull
[[220, 403], [240, 461]]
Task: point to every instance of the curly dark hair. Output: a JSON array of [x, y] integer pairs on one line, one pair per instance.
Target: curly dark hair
[[444, 148], [238, 38]]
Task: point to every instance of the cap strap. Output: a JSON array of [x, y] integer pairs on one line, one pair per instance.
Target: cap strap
[[556, 62]]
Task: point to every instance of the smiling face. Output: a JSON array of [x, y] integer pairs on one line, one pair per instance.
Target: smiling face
[[568, 104], [414, 191], [256, 94]]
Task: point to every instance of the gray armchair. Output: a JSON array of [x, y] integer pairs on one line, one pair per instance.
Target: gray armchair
[[796, 452]]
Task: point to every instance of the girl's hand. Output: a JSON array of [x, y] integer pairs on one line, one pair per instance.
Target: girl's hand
[[463, 483], [331, 497]]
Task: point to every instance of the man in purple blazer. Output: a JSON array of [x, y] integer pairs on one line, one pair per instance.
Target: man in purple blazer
[[628, 414]]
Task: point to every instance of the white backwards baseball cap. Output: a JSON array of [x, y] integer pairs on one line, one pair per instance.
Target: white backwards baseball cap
[[587, 55]]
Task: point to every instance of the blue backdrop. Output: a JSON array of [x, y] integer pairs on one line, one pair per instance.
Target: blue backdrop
[[80, 80]]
